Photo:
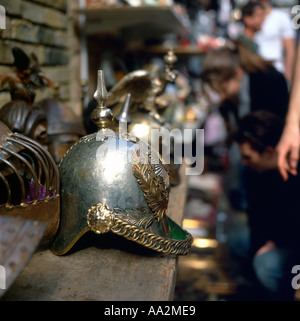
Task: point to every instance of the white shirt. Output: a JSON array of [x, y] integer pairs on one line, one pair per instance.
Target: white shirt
[[276, 27]]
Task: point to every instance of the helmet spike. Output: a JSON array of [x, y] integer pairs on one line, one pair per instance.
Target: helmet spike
[[101, 115], [101, 93], [124, 115]]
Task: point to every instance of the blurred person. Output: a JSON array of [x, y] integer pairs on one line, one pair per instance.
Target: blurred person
[[289, 144], [268, 243], [253, 15], [245, 82], [277, 39]]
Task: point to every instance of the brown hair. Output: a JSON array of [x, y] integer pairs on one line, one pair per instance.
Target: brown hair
[[248, 8], [260, 129], [220, 65]]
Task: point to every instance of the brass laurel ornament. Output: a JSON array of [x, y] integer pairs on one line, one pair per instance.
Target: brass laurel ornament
[[152, 183]]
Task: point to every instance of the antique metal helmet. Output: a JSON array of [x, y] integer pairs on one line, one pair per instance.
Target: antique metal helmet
[[146, 87], [29, 181], [152, 128], [143, 114], [64, 127], [25, 119], [21, 115], [113, 182]]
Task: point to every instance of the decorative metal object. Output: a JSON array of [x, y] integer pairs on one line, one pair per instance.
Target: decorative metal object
[[145, 87], [24, 78], [169, 75], [64, 127], [20, 114], [25, 119], [142, 109], [29, 181], [18, 240], [113, 182]]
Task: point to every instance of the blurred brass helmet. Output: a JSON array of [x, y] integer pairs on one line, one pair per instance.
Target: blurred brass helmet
[[64, 127], [29, 181], [61, 118], [112, 182], [152, 128], [23, 118]]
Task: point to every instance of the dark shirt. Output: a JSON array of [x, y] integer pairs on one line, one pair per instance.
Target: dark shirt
[[273, 209], [267, 91]]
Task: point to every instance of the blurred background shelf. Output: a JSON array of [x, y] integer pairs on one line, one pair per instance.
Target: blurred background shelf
[[162, 18]]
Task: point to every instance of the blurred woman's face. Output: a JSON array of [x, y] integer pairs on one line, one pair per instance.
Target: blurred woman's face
[[229, 90]]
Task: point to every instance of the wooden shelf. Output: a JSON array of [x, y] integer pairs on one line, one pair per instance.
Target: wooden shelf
[[162, 18]]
